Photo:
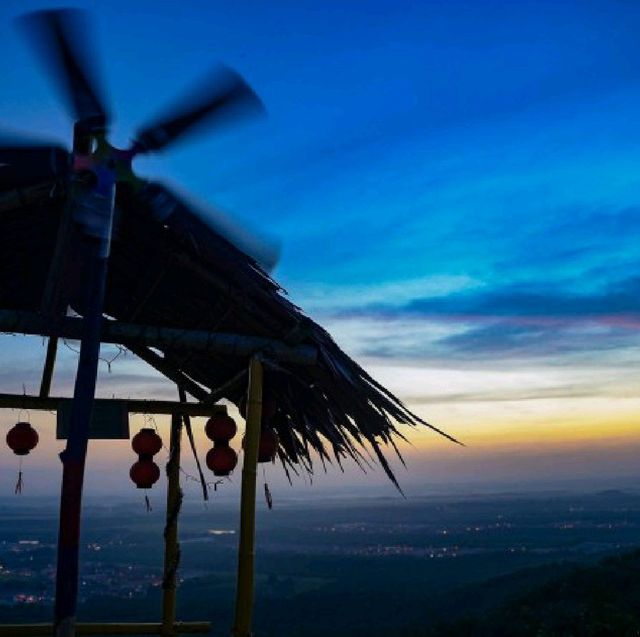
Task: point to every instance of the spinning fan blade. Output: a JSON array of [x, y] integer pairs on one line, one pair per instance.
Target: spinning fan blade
[[27, 165], [210, 233], [224, 97], [61, 38]]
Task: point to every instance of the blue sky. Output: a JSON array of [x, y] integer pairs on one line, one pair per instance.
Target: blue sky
[[454, 184]]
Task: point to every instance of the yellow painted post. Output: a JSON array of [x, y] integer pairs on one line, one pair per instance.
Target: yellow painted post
[[246, 549], [171, 546]]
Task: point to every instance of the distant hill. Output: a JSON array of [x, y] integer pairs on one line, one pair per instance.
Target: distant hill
[[578, 601]]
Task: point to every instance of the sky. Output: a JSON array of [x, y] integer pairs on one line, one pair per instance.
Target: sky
[[454, 188]]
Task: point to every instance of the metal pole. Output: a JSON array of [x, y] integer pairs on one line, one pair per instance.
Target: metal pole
[[246, 549], [94, 215], [171, 546]]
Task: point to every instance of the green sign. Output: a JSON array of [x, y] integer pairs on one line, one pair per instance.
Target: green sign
[[110, 420]]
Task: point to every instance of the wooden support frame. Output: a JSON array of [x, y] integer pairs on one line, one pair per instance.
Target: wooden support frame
[[169, 627], [246, 548], [168, 407], [82, 628], [55, 295], [151, 336], [179, 378]]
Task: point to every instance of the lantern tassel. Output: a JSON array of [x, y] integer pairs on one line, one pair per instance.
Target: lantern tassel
[[147, 503], [18, 489], [267, 491], [267, 495]]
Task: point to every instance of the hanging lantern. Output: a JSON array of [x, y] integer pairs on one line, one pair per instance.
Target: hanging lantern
[[146, 442], [269, 407], [22, 438], [268, 445], [220, 428], [222, 459], [144, 473]]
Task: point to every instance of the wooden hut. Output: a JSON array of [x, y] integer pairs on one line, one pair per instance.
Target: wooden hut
[[208, 317], [180, 275], [137, 267]]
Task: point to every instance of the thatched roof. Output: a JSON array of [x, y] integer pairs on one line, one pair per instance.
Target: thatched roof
[[179, 273]]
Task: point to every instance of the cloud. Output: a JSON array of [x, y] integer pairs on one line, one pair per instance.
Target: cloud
[[531, 319], [539, 302], [549, 340]]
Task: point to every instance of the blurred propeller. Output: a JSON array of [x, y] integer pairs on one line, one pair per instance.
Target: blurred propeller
[[223, 97], [196, 226], [60, 38]]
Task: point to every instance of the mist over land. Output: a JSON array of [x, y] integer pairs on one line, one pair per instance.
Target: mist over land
[[389, 564]]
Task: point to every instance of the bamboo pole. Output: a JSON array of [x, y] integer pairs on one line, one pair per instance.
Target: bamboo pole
[[134, 406], [111, 628], [171, 546], [168, 337], [246, 549]]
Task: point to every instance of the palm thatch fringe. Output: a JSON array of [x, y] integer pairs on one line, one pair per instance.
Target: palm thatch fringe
[[178, 273]]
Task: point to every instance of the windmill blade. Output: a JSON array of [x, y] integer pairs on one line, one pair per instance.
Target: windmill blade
[[60, 36], [25, 165], [222, 98], [210, 233]]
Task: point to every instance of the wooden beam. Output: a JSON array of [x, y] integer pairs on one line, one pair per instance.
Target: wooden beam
[[55, 295], [169, 407], [221, 391], [151, 336], [166, 369], [82, 628]]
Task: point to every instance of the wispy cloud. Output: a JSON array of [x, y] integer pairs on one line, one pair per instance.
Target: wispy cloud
[[539, 302], [533, 319]]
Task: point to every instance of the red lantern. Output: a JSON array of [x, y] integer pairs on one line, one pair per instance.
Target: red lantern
[[269, 407], [144, 473], [222, 460], [22, 438], [146, 442], [268, 445], [220, 428]]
